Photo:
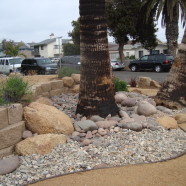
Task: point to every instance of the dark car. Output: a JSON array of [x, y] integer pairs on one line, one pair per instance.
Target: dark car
[[158, 63], [38, 65], [70, 61]]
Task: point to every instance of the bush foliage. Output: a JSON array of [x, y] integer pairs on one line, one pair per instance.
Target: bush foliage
[[119, 85], [67, 71], [13, 90]]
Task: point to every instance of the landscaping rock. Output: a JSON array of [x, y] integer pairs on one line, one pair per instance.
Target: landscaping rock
[[6, 151], [11, 134], [8, 165], [3, 118], [180, 118], [56, 84], [41, 144], [15, 113], [68, 82], [119, 97], [96, 118], [89, 135], [106, 124], [87, 125], [138, 118], [127, 120], [27, 134], [144, 82], [167, 122], [43, 119], [123, 114], [133, 126], [154, 84], [76, 78], [129, 102], [85, 142], [115, 118], [146, 109], [44, 100], [102, 132], [75, 89]]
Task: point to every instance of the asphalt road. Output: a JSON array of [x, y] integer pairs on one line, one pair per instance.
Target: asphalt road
[[127, 75]]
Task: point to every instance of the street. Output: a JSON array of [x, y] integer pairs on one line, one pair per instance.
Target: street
[[127, 75]]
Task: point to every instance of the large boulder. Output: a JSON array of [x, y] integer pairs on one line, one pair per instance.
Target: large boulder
[[154, 84], [144, 82], [146, 109], [8, 165], [43, 119], [180, 118], [68, 82], [76, 78], [40, 144], [119, 97], [167, 122]]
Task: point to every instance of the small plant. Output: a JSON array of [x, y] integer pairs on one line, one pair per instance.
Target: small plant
[[133, 82], [67, 71], [120, 85], [13, 90]]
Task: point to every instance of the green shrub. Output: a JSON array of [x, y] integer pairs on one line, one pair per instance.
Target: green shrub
[[120, 85], [13, 90], [66, 71]]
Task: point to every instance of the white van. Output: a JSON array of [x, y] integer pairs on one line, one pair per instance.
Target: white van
[[10, 64]]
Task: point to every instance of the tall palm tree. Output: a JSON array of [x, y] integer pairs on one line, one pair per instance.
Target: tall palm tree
[[170, 10], [96, 87], [173, 91]]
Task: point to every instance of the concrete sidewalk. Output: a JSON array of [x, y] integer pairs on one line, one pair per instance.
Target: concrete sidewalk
[[169, 173]]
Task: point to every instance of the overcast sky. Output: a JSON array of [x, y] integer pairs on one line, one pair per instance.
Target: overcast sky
[[35, 20]]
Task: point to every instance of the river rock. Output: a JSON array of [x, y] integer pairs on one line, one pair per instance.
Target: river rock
[[87, 125], [119, 97], [96, 118], [102, 132], [106, 124], [8, 165], [133, 126], [129, 102], [27, 134], [123, 114], [146, 109]]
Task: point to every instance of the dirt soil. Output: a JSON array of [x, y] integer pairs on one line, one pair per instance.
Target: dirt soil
[[170, 173]]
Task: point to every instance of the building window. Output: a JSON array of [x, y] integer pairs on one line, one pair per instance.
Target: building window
[[56, 46], [140, 54], [127, 54], [42, 47], [154, 52], [165, 51]]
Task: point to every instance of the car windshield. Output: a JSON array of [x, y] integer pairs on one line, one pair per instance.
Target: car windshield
[[15, 61], [170, 57], [44, 61]]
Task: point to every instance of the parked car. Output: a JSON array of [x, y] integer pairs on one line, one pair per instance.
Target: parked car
[[158, 63], [38, 65], [10, 64], [70, 61], [117, 65]]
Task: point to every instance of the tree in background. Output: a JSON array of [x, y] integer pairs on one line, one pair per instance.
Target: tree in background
[[173, 92], [170, 10], [70, 49], [96, 95], [125, 22], [74, 49]]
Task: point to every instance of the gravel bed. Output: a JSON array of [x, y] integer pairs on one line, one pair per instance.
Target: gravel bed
[[118, 148]]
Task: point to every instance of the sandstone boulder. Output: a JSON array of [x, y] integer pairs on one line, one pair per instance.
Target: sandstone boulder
[[68, 82], [3, 117], [180, 118], [144, 82], [43, 119], [167, 122], [15, 113], [146, 109], [44, 100], [119, 97], [76, 78], [41, 144], [75, 89], [154, 84]]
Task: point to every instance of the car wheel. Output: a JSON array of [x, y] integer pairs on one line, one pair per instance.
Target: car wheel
[[133, 68], [158, 68]]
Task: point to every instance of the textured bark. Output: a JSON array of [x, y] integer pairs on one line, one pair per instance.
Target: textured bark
[[173, 92], [171, 32], [96, 87], [121, 54]]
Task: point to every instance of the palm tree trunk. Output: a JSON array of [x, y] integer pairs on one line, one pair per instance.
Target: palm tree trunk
[[171, 32], [121, 54], [96, 87], [173, 92]]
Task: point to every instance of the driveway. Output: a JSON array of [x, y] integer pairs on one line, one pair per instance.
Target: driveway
[[127, 75]]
